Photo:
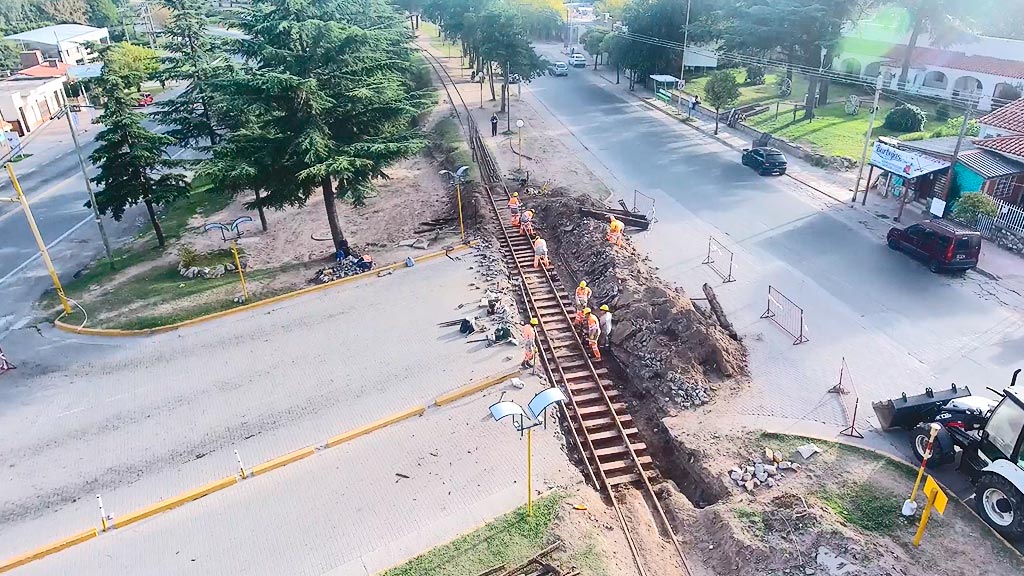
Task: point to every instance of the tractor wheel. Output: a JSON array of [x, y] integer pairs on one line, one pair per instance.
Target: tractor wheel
[[1001, 504], [942, 449]]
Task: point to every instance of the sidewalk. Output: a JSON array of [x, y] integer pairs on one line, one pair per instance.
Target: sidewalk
[[994, 263]]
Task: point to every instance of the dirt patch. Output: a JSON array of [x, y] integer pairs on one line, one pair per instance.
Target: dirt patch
[[674, 353], [838, 515]]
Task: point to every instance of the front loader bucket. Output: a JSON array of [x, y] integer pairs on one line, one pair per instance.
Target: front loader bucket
[[909, 411]]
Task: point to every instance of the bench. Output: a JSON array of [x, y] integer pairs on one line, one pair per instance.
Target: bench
[[663, 95]]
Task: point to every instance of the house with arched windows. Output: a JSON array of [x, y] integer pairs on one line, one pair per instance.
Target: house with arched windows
[[989, 72]]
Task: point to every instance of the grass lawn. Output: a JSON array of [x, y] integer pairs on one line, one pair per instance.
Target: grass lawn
[[509, 540], [429, 31], [833, 131]]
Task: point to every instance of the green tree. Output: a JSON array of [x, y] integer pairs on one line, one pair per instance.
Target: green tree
[[66, 11], [192, 57], [328, 100], [131, 161], [132, 63], [9, 59], [502, 39], [103, 13], [941, 19], [721, 91], [971, 204], [592, 41]]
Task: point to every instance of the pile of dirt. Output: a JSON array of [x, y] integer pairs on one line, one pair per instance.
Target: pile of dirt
[[672, 351]]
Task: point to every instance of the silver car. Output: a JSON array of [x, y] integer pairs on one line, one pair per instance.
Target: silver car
[[560, 69]]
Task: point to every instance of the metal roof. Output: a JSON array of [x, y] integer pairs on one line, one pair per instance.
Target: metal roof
[[989, 165], [943, 147], [56, 33], [664, 78]]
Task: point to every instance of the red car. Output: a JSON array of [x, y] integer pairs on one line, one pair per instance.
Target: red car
[[942, 244], [145, 99]]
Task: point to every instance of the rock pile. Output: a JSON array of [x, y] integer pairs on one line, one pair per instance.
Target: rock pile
[[342, 269], [671, 350], [208, 271], [840, 163], [1008, 239], [767, 470]]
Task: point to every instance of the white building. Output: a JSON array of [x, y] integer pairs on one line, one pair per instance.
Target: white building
[[27, 103], [63, 42], [989, 71]]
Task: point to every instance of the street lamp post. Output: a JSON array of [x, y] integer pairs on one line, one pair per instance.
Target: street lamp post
[[535, 410], [456, 179], [519, 125], [92, 195]]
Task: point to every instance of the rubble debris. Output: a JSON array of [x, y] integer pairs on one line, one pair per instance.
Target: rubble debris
[[406, 243], [807, 450], [340, 269], [759, 471], [421, 244]]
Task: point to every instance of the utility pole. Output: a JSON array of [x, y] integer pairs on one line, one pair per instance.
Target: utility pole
[[508, 97], [867, 142], [956, 150], [682, 65], [88, 187]]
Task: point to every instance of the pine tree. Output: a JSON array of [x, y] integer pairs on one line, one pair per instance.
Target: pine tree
[[193, 57], [328, 101], [131, 161]]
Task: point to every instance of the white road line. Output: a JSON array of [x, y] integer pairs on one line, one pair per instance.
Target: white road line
[[36, 256]]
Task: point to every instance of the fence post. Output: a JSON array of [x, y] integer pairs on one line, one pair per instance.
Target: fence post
[[785, 314], [716, 246], [840, 388]]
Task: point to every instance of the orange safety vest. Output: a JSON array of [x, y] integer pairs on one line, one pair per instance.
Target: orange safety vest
[[616, 226], [583, 294], [593, 327], [529, 335], [513, 203]]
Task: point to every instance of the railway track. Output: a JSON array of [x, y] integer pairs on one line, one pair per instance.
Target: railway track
[[602, 429]]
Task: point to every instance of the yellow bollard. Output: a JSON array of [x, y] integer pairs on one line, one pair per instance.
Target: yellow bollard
[[39, 239], [936, 499], [241, 276], [458, 200]]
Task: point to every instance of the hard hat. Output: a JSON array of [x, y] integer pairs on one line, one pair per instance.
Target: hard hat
[[586, 310], [534, 321], [515, 193], [605, 308], [583, 284]]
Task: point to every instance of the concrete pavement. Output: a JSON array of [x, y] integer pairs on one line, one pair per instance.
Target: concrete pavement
[[899, 326], [138, 420]]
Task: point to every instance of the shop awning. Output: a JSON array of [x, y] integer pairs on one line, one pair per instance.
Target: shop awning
[[904, 162]]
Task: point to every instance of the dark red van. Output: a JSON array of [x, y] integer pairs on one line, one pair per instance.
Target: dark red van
[[942, 244]]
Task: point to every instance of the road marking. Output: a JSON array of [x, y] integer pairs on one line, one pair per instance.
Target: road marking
[[40, 196], [48, 246]]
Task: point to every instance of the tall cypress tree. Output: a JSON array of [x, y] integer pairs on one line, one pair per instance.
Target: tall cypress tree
[[328, 101], [131, 160]]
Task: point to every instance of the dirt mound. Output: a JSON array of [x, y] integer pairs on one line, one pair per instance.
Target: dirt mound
[[670, 349]]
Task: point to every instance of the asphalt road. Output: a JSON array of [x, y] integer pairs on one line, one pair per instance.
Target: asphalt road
[[902, 327], [52, 181]]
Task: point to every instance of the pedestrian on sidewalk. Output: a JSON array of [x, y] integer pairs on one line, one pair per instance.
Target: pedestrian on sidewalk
[[695, 104], [494, 124]]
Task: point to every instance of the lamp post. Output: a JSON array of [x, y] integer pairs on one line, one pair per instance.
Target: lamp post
[[519, 125], [236, 233], [536, 408], [456, 179]]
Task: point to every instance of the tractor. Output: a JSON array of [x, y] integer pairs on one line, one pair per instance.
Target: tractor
[[989, 435]]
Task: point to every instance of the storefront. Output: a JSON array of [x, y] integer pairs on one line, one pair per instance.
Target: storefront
[[908, 175]]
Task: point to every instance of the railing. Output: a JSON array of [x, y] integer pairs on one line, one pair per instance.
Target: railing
[[849, 397], [722, 266], [786, 314]]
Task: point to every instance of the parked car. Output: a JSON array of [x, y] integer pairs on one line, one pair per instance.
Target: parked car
[[145, 99], [515, 79], [560, 69], [765, 160], [578, 61], [942, 244]]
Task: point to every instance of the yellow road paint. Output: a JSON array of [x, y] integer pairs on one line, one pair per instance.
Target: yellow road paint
[[48, 549], [475, 387], [173, 502], [363, 430], [282, 461]]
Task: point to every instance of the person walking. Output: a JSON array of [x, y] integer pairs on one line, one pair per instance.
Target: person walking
[[513, 208], [526, 223], [5, 365], [593, 333], [494, 124], [529, 342], [606, 325], [540, 253], [582, 300]]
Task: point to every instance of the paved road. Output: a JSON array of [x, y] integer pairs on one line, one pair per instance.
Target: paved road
[[52, 180], [899, 326]]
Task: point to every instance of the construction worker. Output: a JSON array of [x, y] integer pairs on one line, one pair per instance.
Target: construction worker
[[593, 332], [526, 222], [529, 342], [513, 207], [583, 295], [615, 228], [606, 324], [540, 252]]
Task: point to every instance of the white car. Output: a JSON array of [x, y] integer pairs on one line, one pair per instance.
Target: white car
[[560, 69], [578, 61]]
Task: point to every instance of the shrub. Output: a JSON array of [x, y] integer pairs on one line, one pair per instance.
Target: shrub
[[973, 203], [906, 118], [942, 112], [952, 128], [755, 75], [187, 256]]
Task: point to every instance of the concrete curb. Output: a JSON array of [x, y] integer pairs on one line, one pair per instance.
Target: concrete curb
[[259, 469], [173, 502], [48, 549], [475, 387], [255, 305]]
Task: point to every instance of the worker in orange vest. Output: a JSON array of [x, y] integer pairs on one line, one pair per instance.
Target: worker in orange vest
[[529, 342], [526, 222], [583, 294], [513, 208], [615, 228], [540, 252], [593, 332]]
